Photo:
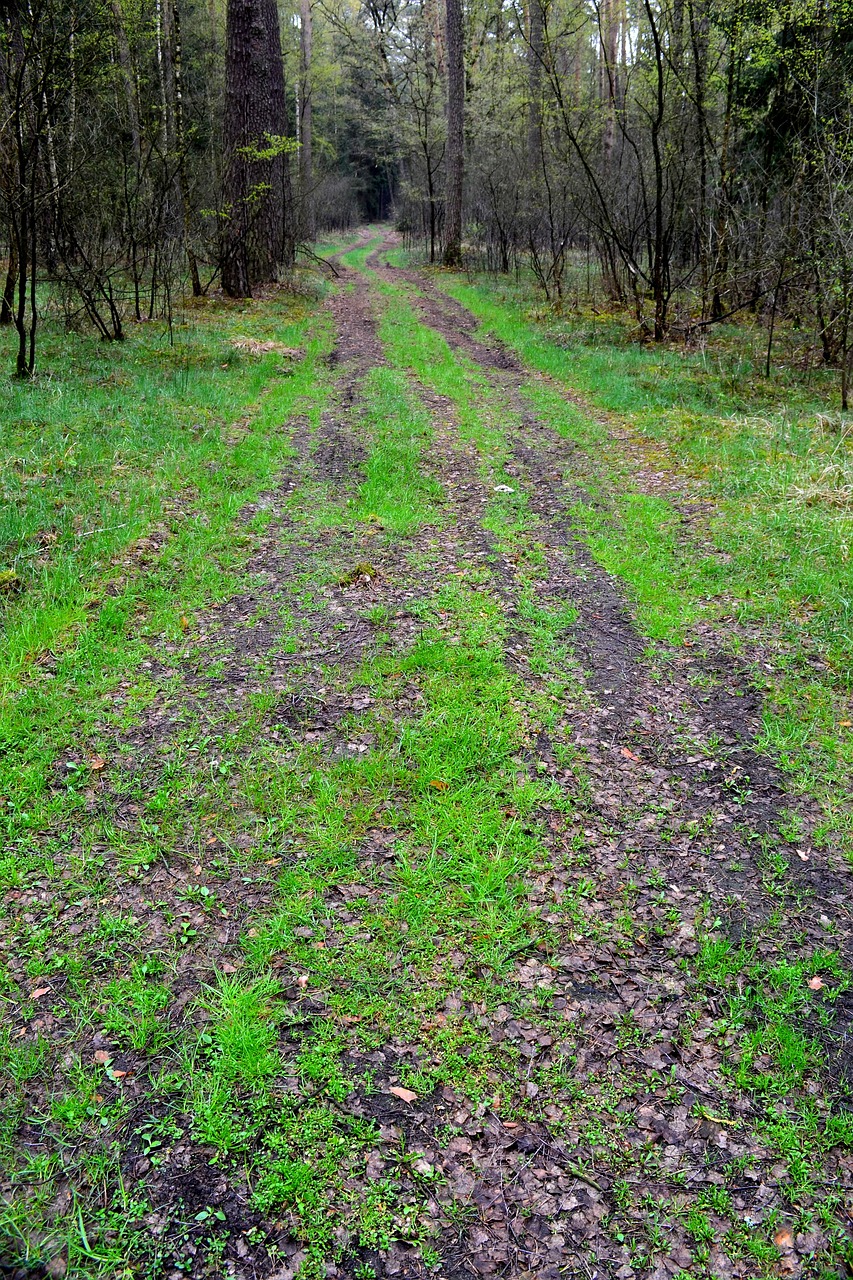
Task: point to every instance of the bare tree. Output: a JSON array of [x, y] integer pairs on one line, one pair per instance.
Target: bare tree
[[454, 158]]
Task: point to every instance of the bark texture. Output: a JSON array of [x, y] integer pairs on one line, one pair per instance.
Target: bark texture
[[253, 242], [455, 135]]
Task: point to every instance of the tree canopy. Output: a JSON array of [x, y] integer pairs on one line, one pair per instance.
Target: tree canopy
[[698, 153]]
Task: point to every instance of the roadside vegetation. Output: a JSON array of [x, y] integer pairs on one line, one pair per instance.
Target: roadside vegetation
[[723, 501]]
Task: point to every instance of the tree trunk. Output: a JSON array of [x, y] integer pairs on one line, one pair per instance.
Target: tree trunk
[[847, 305], [253, 245], [721, 266], [660, 240], [27, 128], [306, 167], [25, 238], [161, 43], [454, 155], [699, 41], [845, 381], [431, 198], [177, 82], [610, 28], [282, 225], [7, 302]]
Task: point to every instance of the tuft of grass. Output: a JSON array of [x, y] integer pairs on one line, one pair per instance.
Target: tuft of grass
[[396, 494]]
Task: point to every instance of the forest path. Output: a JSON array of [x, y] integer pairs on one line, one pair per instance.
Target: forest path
[[417, 921], [654, 835]]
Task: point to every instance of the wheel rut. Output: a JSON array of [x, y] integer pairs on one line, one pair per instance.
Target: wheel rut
[[705, 699], [679, 792]]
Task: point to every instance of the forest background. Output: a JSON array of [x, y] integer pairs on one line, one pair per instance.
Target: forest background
[[684, 160]]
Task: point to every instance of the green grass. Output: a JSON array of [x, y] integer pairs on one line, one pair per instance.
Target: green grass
[[783, 1017], [102, 450], [458, 879], [221, 922], [357, 257], [779, 1020], [639, 539], [773, 551], [396, 493], [98, 626]]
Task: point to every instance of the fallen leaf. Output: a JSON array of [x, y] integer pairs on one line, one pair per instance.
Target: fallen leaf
[[784, 1240], [260, 347], [816, 984], [40, 991], [197, 869], [846, 724], [629, 755], [212, 840], [439, 785], [96, 763], [803, 855], [102, 1056], [707, 1114], [406, 1094]]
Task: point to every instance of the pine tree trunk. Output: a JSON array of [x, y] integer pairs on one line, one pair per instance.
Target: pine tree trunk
[[454, 155], [253, 245], [280, 225]]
